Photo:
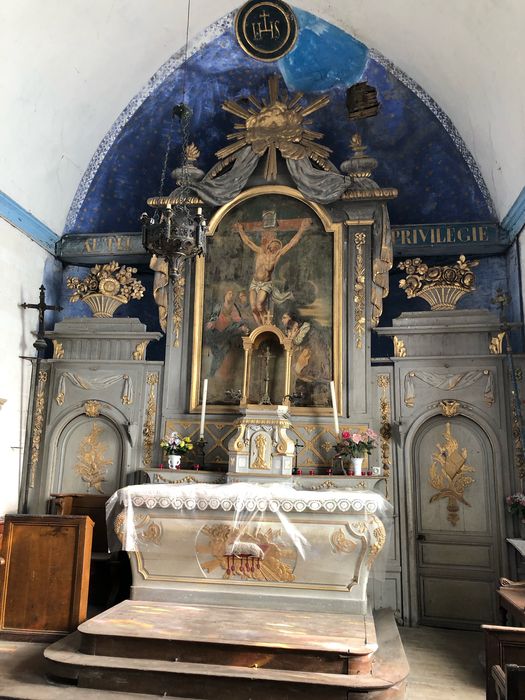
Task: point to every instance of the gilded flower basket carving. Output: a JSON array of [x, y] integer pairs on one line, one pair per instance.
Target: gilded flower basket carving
[[105, 288], [442, 286]]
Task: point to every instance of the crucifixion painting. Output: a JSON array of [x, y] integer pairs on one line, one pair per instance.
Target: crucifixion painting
[[269, 257]]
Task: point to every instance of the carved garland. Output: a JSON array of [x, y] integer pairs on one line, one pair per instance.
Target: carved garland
[[359, 289], [178, 308], [152, 379], [38, 425], [385, 430]]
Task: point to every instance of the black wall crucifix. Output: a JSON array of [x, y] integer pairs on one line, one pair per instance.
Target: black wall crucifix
[[40, 342]]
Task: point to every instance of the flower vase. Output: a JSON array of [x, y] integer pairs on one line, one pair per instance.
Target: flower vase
[[357, 465], [174, 461], [522, 528]]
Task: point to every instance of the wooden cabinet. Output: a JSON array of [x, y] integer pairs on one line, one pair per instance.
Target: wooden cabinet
[[44, 574]]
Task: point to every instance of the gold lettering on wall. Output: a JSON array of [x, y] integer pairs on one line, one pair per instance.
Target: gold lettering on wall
[[443, 234]]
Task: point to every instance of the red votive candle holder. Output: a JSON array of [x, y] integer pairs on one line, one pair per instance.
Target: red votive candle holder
[[299, 472], [312, 472]]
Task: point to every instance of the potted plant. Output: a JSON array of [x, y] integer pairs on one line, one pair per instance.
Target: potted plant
[[175, 446], [354, 446]]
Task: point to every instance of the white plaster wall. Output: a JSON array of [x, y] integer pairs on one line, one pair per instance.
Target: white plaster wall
[[69, 68], [20, 277]]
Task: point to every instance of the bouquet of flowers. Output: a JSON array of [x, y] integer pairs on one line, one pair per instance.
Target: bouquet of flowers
[[356, 444], [516, 504], [174, 444]]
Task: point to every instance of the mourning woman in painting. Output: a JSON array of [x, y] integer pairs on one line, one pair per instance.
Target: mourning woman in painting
[[222, 334], [311, 359]]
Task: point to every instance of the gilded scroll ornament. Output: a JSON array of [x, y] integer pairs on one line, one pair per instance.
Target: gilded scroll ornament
[[106, 287], [148, 432], [377, 538], [247, 553], [399, 347], [385, 430], [340, 543], [449, 475], [140, 351], [449, 409], [146, 530], [276, 124], [496, 344], [359, 289], [92, 464], [58, 350], [38, 425], [442, 286], [92, 408]]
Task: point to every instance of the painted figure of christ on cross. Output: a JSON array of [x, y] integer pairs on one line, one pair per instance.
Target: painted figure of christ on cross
[[267, 255]]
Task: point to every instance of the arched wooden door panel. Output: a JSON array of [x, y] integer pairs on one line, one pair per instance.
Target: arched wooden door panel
[[457, 555]]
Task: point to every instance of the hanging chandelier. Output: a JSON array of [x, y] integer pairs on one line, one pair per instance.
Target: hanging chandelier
[[176, 230]]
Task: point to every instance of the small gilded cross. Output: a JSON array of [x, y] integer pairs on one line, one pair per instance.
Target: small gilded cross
[[268, 318]]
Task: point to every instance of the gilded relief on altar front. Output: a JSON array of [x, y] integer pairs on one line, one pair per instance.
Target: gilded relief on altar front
[[253, 553], [264, 260]]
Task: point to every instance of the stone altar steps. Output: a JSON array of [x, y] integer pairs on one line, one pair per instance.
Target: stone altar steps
[[214, 652]]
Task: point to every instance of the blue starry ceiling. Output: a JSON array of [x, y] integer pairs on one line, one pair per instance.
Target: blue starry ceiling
[[417, 148]]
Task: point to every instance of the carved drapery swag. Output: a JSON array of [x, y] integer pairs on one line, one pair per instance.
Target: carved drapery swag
[[97, 383], [448, 382], [321, 186]]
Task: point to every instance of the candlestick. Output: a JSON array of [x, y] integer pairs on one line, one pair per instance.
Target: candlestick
[[334, 409], [203, 410]]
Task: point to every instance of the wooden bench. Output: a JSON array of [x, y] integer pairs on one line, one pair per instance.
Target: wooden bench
[[503, 646], [509, 683]]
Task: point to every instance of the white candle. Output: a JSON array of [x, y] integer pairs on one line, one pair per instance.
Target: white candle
[[203, 409], [334, 409]]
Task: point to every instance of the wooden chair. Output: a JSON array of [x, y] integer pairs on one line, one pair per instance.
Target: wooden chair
[[509, 683], [503, 646]]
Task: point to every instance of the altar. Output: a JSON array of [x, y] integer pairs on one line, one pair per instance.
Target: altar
[[267, 546]]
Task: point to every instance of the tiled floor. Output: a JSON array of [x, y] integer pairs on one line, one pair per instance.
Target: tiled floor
[[445, 664]]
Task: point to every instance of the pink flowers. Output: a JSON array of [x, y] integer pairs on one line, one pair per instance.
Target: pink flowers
[[356, 444], [516, 504]]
